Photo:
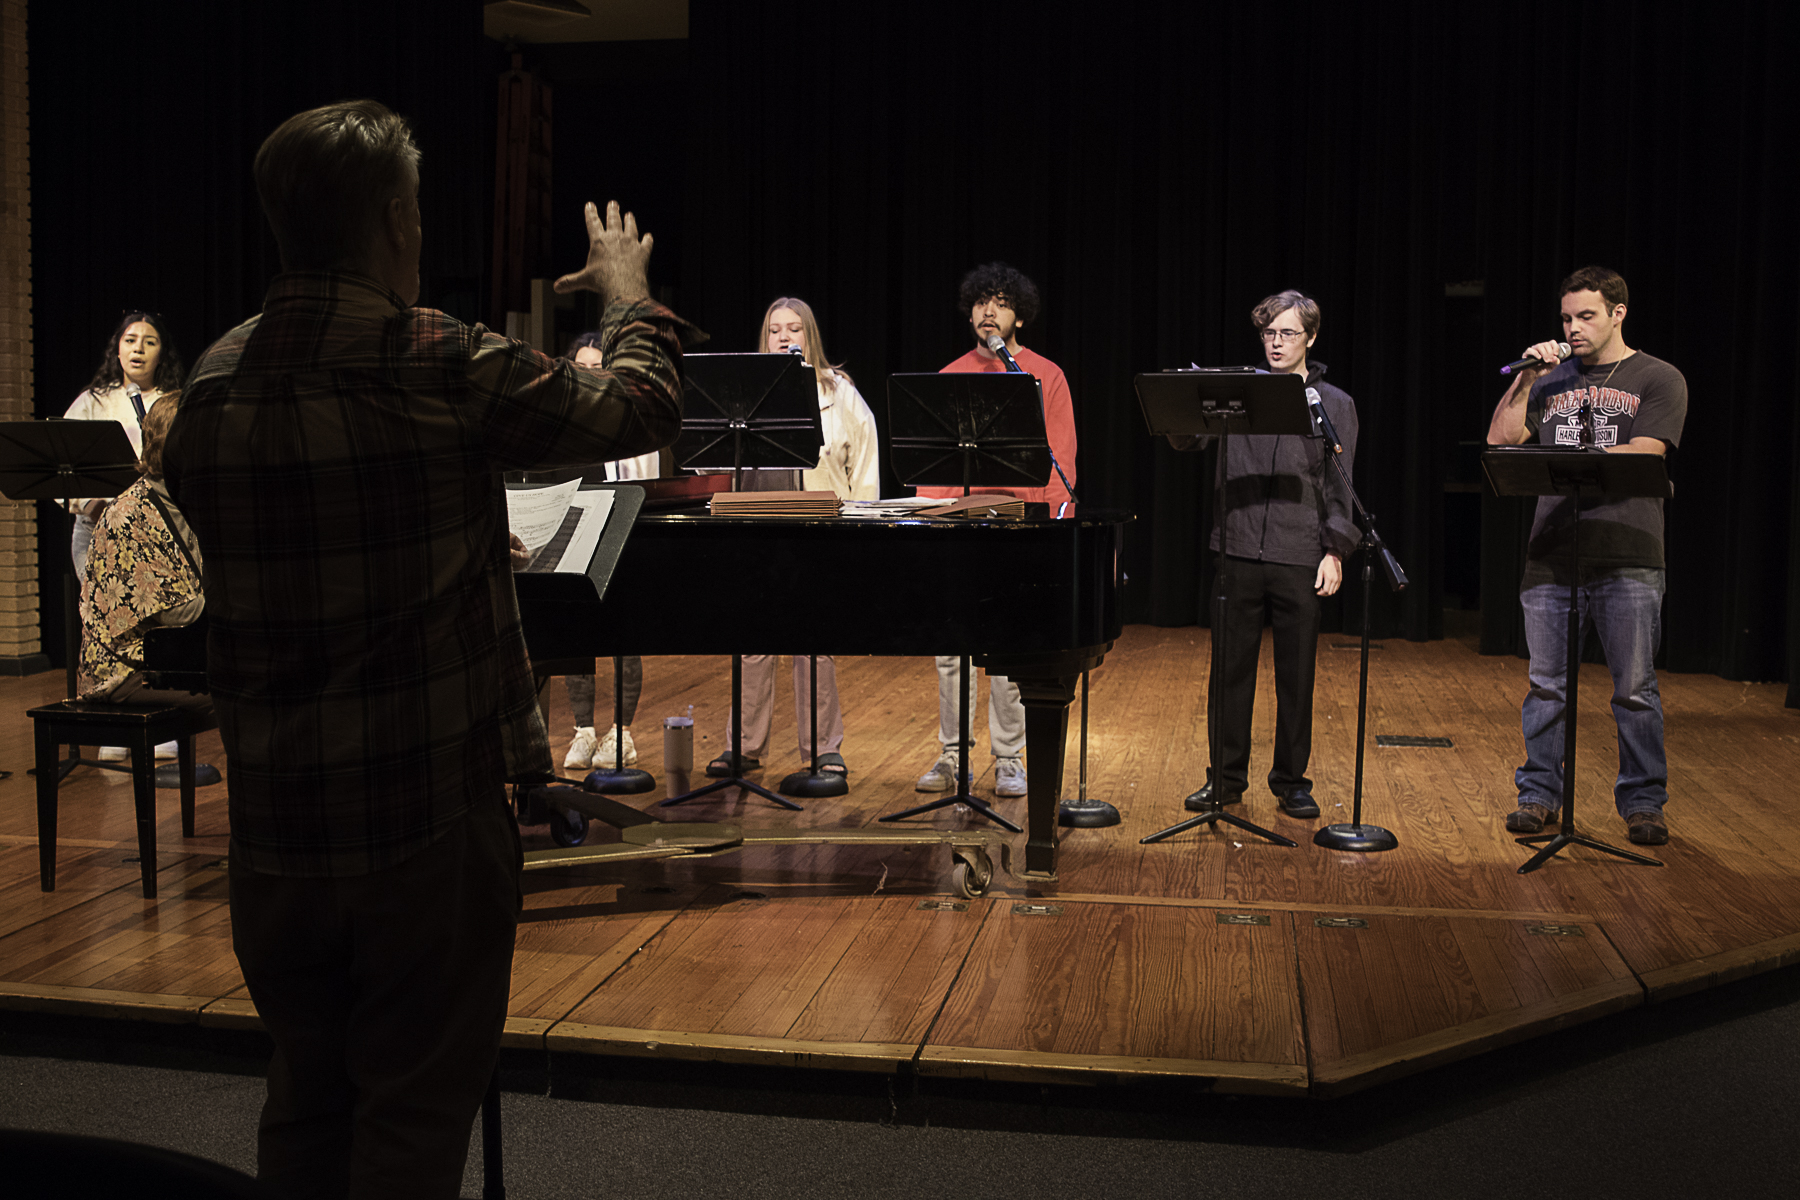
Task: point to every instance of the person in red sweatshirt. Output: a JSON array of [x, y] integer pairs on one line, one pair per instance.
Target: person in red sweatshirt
[[1000, 299]]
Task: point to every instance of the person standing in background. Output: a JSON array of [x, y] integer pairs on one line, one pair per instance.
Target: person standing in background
[[1000, 300], [849, 468]]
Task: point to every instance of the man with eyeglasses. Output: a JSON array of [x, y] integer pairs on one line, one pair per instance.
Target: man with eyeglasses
[[1287, 533], [1626, 402]]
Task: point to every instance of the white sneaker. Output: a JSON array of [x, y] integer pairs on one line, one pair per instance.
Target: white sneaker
[[942, 776], [112, 754], [168, 750], [581, 750], [606, 756], [1009, 777]]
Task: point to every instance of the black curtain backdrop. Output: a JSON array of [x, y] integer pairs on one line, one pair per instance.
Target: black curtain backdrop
[[1157, 169], [144, 122]]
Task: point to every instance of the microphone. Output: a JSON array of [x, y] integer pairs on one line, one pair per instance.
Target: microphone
[[1562, 352], [1322, 421], [137, 400], [997, 344]]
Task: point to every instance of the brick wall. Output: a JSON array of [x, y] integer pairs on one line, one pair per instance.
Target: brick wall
[[19, 649]]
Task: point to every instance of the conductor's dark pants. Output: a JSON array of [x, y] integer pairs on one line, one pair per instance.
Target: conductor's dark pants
[[385, 995]]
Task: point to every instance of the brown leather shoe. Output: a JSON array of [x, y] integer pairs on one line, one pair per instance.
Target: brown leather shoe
[[1647, 829], [1529, 818]]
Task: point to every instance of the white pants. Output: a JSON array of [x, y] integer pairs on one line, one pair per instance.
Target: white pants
[[759, 706], [1006, 715]]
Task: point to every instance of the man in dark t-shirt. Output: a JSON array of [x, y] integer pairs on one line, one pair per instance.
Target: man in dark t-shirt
[[1627, 402]]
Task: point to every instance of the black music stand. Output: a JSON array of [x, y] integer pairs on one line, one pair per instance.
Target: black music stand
[[1573, 471], [966, 429], [1221, 403], [628, 501], [588, 586], [62, 460], [747, 411]]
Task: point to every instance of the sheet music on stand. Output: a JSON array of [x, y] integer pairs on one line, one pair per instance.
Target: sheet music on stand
[[560, 524], [574, 533]]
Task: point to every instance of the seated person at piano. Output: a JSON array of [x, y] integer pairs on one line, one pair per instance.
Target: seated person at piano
[[848, 467], [589, 749], [143, 570]]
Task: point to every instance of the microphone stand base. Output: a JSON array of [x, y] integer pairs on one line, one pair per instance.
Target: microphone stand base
[[814, 785], [168, 775], [627, 781], [1362, 839], [1086, 814]]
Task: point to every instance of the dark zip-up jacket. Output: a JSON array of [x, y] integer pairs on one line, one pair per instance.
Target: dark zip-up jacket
[[1284, 501]]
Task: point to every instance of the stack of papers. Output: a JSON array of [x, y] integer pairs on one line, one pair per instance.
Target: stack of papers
[[978, 505], [775, 504]]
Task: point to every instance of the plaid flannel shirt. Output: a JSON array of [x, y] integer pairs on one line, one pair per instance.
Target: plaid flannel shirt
[[340, 458]]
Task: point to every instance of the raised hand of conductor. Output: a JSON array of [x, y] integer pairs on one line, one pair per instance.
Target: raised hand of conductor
[[616, 258]]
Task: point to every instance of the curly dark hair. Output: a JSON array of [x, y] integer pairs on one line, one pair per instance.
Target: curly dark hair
[[1007, 282], [169, 367]]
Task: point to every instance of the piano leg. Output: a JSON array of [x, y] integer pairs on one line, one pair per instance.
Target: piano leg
[[1046, 700]]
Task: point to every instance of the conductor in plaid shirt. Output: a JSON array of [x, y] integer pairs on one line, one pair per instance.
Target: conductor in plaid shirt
[[340, 457]]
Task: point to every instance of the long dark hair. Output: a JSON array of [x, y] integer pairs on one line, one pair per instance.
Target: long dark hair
[[169, 367]]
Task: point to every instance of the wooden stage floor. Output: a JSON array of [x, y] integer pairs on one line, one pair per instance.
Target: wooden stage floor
[[1214, 958]]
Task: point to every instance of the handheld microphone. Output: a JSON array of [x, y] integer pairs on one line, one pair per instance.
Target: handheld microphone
[[1562, 352], [137, 400], [1323, 421], [997, 344]]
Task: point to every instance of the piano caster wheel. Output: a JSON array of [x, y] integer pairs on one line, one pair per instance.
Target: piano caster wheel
[[972, 875], [567, 827]]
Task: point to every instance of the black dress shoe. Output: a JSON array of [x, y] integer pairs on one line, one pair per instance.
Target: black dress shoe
[[1201, 800], [1300, 804]]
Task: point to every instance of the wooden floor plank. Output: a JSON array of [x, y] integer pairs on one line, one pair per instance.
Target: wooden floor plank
[[1112, 980], [1406, 993], [822, 971]]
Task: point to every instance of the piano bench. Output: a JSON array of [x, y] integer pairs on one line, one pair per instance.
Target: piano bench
[[139, 728]]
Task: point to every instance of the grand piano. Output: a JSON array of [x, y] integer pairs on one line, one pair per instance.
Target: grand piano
[[1034, 598]]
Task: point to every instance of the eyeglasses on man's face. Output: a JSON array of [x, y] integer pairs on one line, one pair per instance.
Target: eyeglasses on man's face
[[1282, 335]]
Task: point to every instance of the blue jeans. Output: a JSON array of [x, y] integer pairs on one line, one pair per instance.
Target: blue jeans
[[1626, 611]]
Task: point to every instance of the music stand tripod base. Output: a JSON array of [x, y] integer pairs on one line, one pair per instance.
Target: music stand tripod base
[[973, 803], [1207, 817], [965, 746], [719, 785], [1554, 842], [1364, 838]]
